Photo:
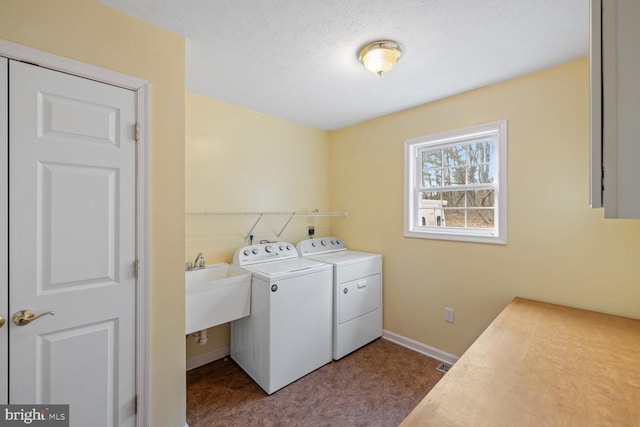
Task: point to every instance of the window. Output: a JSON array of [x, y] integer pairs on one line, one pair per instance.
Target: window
[[456, 185]]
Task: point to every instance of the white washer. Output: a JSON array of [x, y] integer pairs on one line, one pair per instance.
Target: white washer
[[288, 333], [357, 297]]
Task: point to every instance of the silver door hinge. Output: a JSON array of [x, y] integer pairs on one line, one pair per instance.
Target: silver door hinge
[[137, 133], [136, 268], [135, 409]]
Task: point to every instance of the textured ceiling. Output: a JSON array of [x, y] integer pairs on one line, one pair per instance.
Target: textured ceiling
[[297, 59]]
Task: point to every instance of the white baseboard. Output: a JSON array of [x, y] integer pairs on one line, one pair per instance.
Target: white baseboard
[[419, 347], [205, 358]]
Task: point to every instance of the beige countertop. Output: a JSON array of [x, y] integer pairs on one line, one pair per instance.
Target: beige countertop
[[541, 364]]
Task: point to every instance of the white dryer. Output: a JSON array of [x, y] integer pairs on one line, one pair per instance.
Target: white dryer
[[288, 333], [357, 292]]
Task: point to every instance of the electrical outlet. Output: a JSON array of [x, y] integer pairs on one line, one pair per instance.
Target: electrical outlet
[[448, 314]]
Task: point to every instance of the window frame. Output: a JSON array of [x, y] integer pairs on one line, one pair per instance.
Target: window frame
[[412, 178]]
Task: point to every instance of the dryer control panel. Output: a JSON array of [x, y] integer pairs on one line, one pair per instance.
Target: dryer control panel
[[321, 245], [264, 252]]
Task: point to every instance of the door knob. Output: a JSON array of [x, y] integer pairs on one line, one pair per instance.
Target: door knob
[[24, 317], [1, 321]]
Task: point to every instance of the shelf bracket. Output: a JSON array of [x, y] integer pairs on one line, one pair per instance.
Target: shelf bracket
[[285, 225], [254, 226]]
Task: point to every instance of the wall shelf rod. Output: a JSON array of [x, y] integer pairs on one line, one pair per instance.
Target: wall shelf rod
[[312, 213], [260, 215]]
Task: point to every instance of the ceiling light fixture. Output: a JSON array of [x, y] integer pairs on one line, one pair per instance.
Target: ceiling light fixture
[[381, 56]]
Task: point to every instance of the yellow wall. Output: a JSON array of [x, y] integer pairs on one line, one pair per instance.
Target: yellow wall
[[559, 250], [239, 160], [90, 32]]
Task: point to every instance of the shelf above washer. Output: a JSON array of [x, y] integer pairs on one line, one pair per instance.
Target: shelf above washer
[[304, 213], [260, 215]]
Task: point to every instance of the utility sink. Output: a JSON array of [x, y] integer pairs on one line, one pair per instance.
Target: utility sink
[[214, 295]]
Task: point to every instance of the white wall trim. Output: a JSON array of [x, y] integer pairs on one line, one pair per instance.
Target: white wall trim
[[416, 346], [143, 345], [4, 228], [59, 63], [209, 357], [141, 87], [419, 347]]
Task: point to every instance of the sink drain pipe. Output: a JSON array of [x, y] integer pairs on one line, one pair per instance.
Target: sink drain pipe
[[201, 337]]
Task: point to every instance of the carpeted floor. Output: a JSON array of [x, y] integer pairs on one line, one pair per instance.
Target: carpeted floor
[[377, 385]]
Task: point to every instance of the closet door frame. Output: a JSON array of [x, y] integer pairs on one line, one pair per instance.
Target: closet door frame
[[4, 230], [18, 52]]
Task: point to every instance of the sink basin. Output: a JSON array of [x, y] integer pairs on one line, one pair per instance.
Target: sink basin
[[214, 295]]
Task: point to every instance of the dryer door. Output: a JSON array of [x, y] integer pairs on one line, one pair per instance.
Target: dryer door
[[359, 297]]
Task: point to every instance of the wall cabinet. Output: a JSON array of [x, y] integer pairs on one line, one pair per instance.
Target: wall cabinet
[[615, 107]]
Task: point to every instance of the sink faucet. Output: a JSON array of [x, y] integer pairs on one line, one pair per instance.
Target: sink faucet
[[199, 262]]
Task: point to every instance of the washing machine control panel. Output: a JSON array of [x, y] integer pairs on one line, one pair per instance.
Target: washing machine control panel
[[264, 252], [321, 245]]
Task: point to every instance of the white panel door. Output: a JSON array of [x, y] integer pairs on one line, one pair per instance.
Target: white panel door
[[4, 236], [72, 244]]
